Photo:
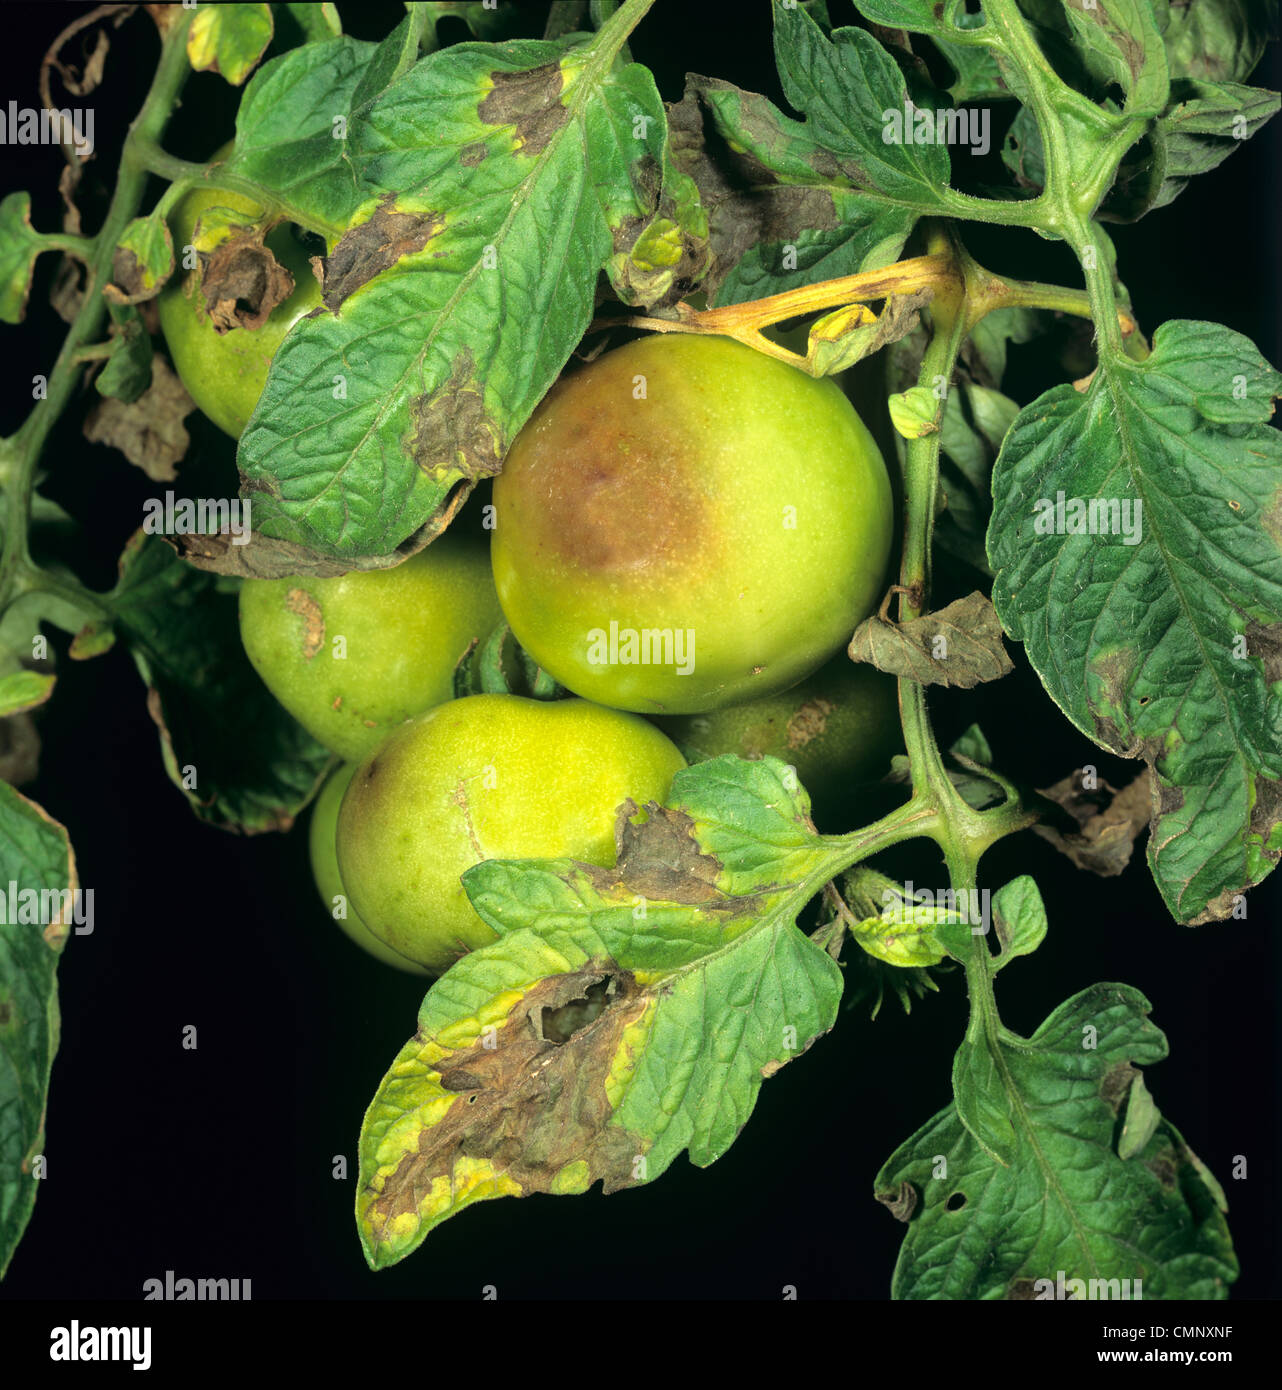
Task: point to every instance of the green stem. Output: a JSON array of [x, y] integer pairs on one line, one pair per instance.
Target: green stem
[[1091, 244], [962, 832], [612, 34], [28, 442], [1002, 212], [185, 175]]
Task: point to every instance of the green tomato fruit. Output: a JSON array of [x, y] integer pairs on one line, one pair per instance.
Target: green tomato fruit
[[352, 656], [486, 777], [686, 524], [324, 856], [837, 728], [224, 373]]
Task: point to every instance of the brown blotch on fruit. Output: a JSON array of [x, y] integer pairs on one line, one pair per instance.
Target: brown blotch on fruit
[[809, 722], [242, 283], [608, 499], [301, 602]]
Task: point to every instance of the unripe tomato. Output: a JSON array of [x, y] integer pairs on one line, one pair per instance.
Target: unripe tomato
[[837, 728], [486, 777], [224, 373], [686, 524], [352, 656], [324, 857]]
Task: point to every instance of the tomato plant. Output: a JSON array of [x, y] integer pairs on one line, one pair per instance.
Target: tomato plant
[[490, 280]]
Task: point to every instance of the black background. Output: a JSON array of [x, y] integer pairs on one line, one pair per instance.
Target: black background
[[218, 1162]]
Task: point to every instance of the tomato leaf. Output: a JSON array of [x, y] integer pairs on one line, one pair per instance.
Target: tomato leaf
[[23, 690], [292, 128], [1158, 636], [516, 171], [959, 644], [144, 260], [127, 372], [239, 758], [1215, 40], [1019, 918], [682, 972], [1078, 1198], [229, 39], [315, 22], [791, 202], [20, 244], [35, 857]]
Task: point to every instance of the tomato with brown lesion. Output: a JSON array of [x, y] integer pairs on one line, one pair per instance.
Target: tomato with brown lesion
[[690, 485]]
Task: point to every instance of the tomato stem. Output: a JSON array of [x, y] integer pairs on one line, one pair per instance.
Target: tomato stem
[[27, 443]]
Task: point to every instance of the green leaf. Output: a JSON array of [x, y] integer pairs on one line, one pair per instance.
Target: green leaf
[[1120, 43], [1068, 1203], [1019, 916], [1206, 122], [670, 254], [35, 857], [127, 372], [455, 301], [1142, 1120], [781, 214], [491, 22], [1202, 118], [229, 39], [791, 202], [917, 16], [316, 22], [981, 1100], [1216, 40], [501, 666], [20, 244], [294, 124], [239, 758], [1160, 639], [838, 83], [915, 413], [979, 78], [687, 983], [144, 260], [22, 690]]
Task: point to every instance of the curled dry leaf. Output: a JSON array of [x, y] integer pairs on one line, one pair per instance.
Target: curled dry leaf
[[959, 645], [150, 431], [1109, 821]]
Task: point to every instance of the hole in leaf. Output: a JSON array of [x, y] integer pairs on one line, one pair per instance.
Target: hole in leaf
[[560, 1025], [957, 1201]]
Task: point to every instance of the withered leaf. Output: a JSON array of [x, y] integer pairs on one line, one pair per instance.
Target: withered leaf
[[1109, 821], [149, 431], [268, 557], [959, 645], [840, 339]]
